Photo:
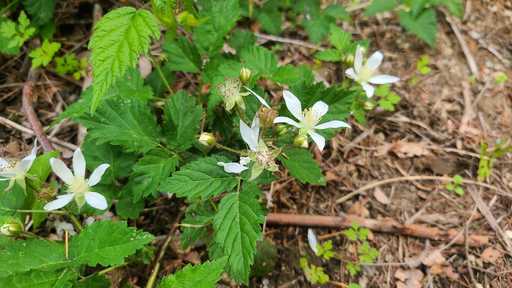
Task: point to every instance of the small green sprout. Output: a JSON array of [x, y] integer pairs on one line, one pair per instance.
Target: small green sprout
[[388, 99], [16, 33], [455, 185], [353, 285], [353, 268], [324, 250], [314, 274], [43, 55], [500, 78], [367, 254], [489, 156], [422, 65], [69, 64], [355, 232]]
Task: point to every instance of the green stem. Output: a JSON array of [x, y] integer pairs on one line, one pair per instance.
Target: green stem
[[163, 78], [103, 272], [34, 211], [8, 7], [76, 222], [218, 145]]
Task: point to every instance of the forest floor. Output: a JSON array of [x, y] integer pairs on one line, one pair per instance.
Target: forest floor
[[400, 158]]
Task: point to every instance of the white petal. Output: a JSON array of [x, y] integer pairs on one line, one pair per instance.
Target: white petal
[[318, 139], [232, 167], [255, 126], [358, 59], [96, 200], [262, 101], [27, 162], [245, 160], [313, 242], [61, 201], [96, 175], [61, 170], [368, 89], [383, 79], [286, 120], [78, 163], [293, 104], [332, 124], [374, 60], [320, 108], [351, 73], [249, 136]]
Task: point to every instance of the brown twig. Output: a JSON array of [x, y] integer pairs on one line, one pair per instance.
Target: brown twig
[[465, 49], [31, 114], [288, 41], [386, 225]]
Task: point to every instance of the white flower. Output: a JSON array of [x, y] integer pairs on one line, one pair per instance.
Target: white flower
[[234, 167], [16, 171], [313, 242], [365, 74], [230, 91], [308, 119], [79, 188]]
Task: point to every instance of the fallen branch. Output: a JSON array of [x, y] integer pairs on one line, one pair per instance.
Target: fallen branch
[[386, 225], [31, 114], [288, 41]]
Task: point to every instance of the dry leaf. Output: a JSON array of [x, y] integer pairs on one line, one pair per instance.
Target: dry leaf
[[358, 209], [490, 255], [404, 149], [431, 258], [145, 67], [381, 196], [409, 278]]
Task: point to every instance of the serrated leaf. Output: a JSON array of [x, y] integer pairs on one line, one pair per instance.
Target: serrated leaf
[[301, 165], [329, 55], [119, 38], [33, 254], [182, 120], [40, 11], [200, 178], [237, 229], [241, 39], [195, 224], [181, 55], [259, 60], [220, 17], [204, 275], [339, 38], [129, 123], [293, 75], [40, 170], [424, 25], [149, 172], [40, 279], [98, 281], [107, 243], [379, 6]]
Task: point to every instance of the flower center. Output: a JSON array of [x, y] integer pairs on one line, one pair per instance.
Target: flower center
[[365, 74], [311, 119], [79, 186]]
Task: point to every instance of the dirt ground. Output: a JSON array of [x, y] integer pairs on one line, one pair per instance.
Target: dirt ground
[[435, 131]]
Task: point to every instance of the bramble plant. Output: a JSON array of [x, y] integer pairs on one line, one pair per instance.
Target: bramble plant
[[69, 64], [214, 145], [365, 253]]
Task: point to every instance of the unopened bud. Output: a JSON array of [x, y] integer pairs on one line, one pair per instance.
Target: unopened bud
[[281, 129], [207, 139], [267, 116], [301, 141], [369, 105], [11, 227], [348, 59], [245, 75]]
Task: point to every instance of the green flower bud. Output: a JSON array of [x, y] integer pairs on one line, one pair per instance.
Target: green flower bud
[[11, 227], [281, 129], [245, 75], [301, 141], [369, 105], [207, 139]]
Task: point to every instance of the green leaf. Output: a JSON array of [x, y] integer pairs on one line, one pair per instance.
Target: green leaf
[[237, 229], [456, 7], [119, 38], [129, 123], [107, 243], [200, 178], [13, 35], [98, 281], [40, 279], [195, 224], [33, 254], [149, 172], [270, 17], [182, 120], [340, 39], [241, 39], [259, 60], [182, 55], [204, 275], [378, 6], [302, 166], [329, 55], [43, 55], [317, 28], [220, 17], [40, 11], [337, 11], [424, 26], [40, 170], [293, 75]]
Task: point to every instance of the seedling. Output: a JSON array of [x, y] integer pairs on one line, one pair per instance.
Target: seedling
[[489, 156], [43, 55], [314, 274], [455, 185], [388, 99], [69, 64]]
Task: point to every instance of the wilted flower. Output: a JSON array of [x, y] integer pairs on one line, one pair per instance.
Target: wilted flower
[[79, 188], [312, 241], [234, 167], [16, 171], [308, 119], [233, 96], [365, 73]]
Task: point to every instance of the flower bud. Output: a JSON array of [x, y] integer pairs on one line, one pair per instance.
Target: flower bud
[[245, 75], [267, 116], [301, 141], [369, 105], [207, 139], [11, 227], [281, 129]]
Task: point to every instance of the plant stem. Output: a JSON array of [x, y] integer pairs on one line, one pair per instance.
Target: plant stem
[[15, 2], [163, 78], [218, 145], [75, 221], [33, 211], [103, 272]]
